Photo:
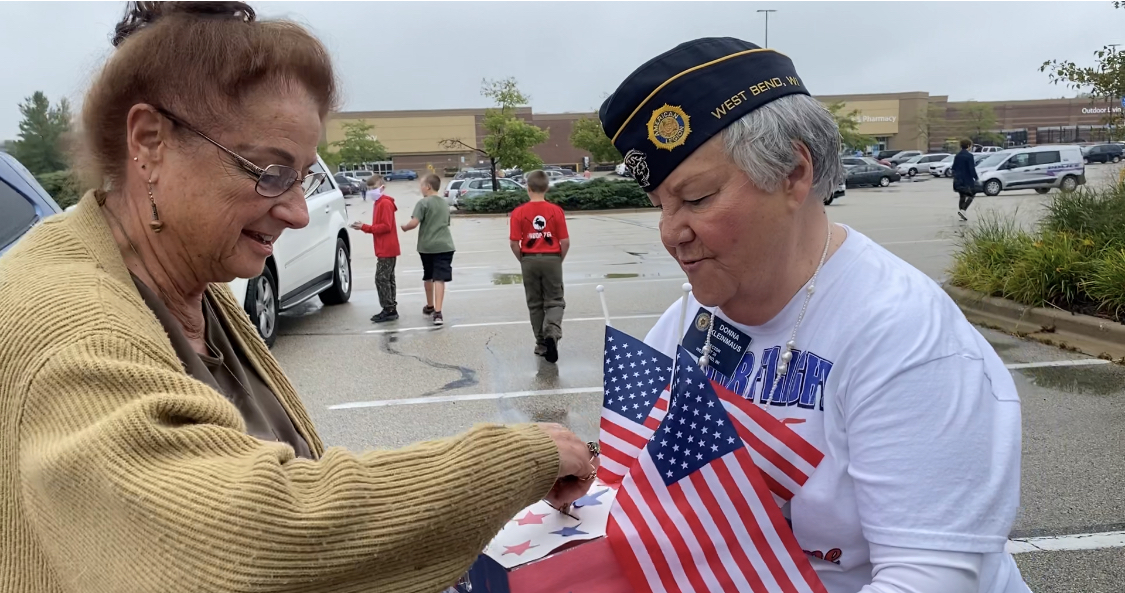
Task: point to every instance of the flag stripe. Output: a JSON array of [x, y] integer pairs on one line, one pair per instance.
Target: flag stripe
[[634, 565], [797, 558], [742, 506], [762, 418], [721, 564], [788, 473], [670, 573], [657, 509], [614, 447], [746, 568], [783, 454], [619, 427]]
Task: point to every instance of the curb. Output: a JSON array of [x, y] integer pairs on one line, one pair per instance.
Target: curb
[[1091, 335]]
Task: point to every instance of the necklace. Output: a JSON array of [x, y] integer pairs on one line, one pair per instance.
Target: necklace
[[787, 350]]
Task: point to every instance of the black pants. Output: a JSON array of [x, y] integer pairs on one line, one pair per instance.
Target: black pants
[[966, 199]]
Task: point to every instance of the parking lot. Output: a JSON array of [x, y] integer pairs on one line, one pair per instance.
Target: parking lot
[[388, 385]]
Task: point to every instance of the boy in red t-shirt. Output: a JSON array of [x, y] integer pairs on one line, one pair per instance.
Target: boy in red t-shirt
[[539, 240]]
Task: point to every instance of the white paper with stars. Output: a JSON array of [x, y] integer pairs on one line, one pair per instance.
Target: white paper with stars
[[539, 529]]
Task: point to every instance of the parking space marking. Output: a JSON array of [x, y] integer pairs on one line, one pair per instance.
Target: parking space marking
[[441, 399], [1057, 363], [1063, 543], [411, 401], [607, 283], [493, 323]]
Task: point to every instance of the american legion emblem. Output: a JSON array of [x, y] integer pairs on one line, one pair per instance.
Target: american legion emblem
[[668, 127]]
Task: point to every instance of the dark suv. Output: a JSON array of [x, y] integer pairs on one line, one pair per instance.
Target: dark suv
[[23, 202], [1103, 153]]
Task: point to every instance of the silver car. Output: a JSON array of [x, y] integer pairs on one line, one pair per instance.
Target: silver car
[[478, 187]]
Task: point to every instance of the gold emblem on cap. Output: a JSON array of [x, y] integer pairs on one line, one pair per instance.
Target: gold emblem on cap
[[701, 322], [668, 127]]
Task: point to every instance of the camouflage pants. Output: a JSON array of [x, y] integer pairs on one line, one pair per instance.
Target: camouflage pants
[[385, 281]]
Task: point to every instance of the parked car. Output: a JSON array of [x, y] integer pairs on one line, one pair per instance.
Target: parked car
[[622, 170], [883, 155], [477, 187], [945, 167], [986, 149], [401, 174], [349, 186], [451, 191], [473, 174], [903, 156], [855, 161], [919, 163], [840, 191], [1040, 168], [879, 175], [23, 202], [307, 262], [1103, 153]]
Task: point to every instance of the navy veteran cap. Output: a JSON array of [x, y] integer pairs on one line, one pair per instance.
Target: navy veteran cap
[[678, 100]]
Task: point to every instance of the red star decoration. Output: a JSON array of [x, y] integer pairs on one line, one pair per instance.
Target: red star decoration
[[518, 549], [531, 519]]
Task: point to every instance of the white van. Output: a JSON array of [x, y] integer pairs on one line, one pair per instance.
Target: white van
[[1040, 168]]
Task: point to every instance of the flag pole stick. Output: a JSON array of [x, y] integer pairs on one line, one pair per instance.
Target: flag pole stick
[[679, 336], [605, 309]]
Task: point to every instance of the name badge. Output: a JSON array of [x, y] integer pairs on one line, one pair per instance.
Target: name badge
[[728, 343]]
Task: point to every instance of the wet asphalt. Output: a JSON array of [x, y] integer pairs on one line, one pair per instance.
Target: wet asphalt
[[359, 380]]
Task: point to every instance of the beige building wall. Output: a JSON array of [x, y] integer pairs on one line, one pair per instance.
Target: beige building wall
[[409, 134]]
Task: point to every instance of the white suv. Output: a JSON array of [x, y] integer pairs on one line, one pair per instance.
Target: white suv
[[308, 262]]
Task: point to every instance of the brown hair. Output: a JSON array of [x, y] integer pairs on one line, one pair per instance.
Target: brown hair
[[966, 143], [374, 180], [198, 60], [432, 181], [537, 182]]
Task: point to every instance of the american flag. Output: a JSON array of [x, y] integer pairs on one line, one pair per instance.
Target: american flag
[[636, 399], [694, 514]]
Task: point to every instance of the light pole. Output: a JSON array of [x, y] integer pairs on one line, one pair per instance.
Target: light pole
[[767, 42]]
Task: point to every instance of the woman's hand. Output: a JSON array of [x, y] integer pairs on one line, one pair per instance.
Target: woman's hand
[[577, 466]]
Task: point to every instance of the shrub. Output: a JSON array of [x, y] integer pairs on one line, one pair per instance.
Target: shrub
[[1107, 282], [597, 194], [987, 253], [1097, 213], [63, 186], [1050, 269]]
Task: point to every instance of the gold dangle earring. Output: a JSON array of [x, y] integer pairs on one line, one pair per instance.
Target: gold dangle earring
[[155, 223]]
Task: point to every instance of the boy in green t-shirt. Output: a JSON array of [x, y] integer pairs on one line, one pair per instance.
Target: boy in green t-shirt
[[435, 244]]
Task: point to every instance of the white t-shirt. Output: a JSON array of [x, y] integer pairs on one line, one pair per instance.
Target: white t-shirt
[[917, 417]]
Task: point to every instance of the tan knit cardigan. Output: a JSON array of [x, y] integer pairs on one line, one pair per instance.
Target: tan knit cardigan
[[120, 473]]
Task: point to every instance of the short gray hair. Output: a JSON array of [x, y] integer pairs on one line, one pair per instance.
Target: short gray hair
[[761, 143]]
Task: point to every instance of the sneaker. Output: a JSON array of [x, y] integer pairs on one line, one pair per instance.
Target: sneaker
[[428, 310], [552, 353], [384, 316], [437, 318], [962, 215], [540, 349]]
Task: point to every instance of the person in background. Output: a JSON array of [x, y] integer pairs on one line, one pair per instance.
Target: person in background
[[587, 174], [149, 440], [539, 240], [964, 177], [384, 233], [435, 245]]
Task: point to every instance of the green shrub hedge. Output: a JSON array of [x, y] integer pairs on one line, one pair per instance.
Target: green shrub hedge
[[63, 186], [1074, 259], [596, 194]]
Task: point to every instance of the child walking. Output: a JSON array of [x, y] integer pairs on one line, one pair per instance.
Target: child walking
[[385, 236]]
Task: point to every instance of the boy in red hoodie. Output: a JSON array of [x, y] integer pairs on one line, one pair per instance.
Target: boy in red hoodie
[[385, 234]]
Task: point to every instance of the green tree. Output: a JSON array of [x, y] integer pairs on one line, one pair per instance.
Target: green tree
[[358, 145], [930, 122], [587, 134], [331, 157], [42, 131], [509, 139], [978, 121], [1104, 83], [849, 127]]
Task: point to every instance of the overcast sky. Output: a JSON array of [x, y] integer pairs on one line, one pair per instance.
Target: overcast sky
[[567, 56]]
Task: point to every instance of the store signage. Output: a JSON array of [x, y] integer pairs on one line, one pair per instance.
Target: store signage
[[1099, 110], [880, 118]]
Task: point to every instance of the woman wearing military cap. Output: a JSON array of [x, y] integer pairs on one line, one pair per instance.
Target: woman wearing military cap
[[858, 352]]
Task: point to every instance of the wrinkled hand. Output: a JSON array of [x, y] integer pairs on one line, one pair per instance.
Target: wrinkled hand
[[577, 467]]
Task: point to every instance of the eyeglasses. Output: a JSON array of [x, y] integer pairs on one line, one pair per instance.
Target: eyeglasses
[[272, 181]]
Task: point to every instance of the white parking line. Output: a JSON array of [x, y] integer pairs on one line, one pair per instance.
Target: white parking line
[[441, 399], [492, 323], [607, 282], [1057, 363], [1061, 543]]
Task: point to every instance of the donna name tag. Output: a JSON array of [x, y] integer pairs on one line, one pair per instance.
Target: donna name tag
[[728, 343]]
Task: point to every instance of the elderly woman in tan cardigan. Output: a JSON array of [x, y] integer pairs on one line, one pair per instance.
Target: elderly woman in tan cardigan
[[148, 439]]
